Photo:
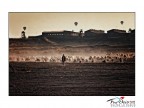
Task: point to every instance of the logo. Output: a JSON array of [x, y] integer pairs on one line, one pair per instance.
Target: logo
[[121, 102]]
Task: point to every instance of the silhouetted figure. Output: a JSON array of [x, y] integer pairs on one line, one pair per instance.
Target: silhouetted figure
[[130, 30], [81, 33], [23, 35], [63, 59], [120, 60]]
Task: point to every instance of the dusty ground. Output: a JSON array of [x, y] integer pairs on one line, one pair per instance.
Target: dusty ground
[[45, 79]]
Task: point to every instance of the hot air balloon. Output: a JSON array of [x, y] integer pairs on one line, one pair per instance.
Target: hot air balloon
[[75, 23], [24, 28], [121, 22]]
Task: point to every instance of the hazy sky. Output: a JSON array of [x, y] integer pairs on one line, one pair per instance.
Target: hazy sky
[[36, 23]]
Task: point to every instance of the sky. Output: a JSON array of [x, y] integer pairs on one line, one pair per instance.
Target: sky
[[36, 23]]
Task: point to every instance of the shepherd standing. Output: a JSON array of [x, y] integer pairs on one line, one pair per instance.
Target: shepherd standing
[[63, 59]]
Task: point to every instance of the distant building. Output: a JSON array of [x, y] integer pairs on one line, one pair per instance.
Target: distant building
[[60, 33], [116, 31], [93, 32], [39, 36], [133, 31]]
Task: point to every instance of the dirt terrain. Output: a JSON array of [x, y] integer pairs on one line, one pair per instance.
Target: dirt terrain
[[73, 79]]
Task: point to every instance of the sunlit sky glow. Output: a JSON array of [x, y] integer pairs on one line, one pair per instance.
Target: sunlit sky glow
[[36, 23]]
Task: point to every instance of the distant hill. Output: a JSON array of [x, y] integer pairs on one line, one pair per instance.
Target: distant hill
[[126, 39], [29, 42]]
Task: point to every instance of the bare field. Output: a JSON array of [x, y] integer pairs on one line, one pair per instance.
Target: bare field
[[73, 79]]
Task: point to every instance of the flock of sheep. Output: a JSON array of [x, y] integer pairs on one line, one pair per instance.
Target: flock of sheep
[[108, 58]]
